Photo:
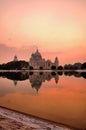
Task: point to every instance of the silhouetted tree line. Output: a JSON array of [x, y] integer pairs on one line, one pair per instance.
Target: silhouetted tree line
[[13, 65], [18, 65], [75, 66], [76, 74]]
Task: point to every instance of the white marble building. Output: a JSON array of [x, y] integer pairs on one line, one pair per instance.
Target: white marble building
[[37, 62]]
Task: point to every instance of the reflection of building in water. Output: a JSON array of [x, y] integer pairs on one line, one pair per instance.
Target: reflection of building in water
[[37, 62], [15, 82], [37, 78], [56, 78], [36, 81]]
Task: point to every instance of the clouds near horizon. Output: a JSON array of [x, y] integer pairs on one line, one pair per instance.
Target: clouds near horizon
[[7, 54]]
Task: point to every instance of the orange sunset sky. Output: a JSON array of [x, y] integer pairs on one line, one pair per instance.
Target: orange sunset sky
[[55, 27]]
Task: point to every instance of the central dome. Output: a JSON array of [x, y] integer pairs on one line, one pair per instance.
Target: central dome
[[36, 55]]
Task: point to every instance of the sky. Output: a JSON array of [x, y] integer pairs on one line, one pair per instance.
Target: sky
[[55, 27]]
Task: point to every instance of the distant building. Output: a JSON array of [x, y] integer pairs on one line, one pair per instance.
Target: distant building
[[37, 62], [15, 58]]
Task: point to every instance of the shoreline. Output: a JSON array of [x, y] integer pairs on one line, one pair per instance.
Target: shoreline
[[45, 70], [13, 120]]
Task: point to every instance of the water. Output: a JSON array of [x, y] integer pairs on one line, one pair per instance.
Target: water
[[50, 95]]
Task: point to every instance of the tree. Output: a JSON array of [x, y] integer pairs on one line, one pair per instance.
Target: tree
[[41, 68], [31, 67], [14, 65], [83, 66], [53, 67], [68, 67], [77, 66], [60, 67]]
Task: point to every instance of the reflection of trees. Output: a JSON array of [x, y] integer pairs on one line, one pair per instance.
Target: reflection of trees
[[60, 73], [36, 78], [69, 73], [15, 75], [55, 76], [83, 74], [76, 74]]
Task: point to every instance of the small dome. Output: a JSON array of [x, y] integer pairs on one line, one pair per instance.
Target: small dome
[[15, 58]]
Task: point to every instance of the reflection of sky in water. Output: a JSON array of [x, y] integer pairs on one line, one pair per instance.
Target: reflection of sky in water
[[63, 101], [7, 87]]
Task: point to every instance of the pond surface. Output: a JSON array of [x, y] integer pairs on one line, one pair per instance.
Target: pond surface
[[50, 95]]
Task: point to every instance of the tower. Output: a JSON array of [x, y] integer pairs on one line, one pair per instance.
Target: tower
[[15, 58], [56, 61]]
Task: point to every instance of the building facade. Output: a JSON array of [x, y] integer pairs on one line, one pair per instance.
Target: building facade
[[37, 62]]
